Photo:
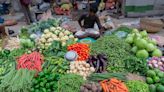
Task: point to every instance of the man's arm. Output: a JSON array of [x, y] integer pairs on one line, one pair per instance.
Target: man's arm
[[80, 20], [98, 22]]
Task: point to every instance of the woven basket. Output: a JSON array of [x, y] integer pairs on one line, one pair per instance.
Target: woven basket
[[151, 26]]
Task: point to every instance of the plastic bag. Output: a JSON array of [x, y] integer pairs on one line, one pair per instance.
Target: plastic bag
[[121, 34], [81, 34], [92, 32]]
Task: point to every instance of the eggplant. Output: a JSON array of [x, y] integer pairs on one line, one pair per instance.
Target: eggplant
[[91, 63], [94, 58], [102, 56], [97, 65], [104, 64]]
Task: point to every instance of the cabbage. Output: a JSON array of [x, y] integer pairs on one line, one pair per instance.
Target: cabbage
[[129, 39], [157, 53], [27, 43], [134, 49], [142, 54], [141, 43], [33, 36], [135, 31], [150, 47], [143, 33], [153, 41]]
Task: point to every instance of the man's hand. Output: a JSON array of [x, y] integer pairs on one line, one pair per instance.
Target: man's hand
[[102, 30], [82, 29]]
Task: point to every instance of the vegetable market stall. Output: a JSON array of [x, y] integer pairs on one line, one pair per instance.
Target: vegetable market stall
[[125, 60]]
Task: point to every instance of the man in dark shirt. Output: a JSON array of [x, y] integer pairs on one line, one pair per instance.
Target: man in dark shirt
[[90, 19]]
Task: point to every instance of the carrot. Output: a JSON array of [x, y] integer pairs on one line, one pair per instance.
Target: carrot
[[113, 85], [31, 61]]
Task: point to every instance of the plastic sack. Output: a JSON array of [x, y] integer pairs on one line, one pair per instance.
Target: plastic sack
[[121, 34], [92, 32], [81, 34]]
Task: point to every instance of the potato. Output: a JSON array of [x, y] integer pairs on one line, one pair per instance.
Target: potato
[[82, 89], [84, 69], [87, 69], [94, 88], [92, 69], [85, 90], [88, 86], [87, 65]]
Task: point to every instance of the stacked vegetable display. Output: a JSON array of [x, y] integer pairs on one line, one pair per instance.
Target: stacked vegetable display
[[56, 65], [102, 66], [82, 68], [45, 82], [113, 85], [156, 62], [143, 46], [91, 86], [55, 34], [99, 62], [81, 49], [155, 79], [17, 81], [137, 86], [31, 61]]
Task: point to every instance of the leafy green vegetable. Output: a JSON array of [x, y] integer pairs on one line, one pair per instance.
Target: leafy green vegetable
[[136, 65], [17, 81], [137, 86], [56, 49], [40, 26], [45, 82], [56, 65], [70, 83], [124, 28]]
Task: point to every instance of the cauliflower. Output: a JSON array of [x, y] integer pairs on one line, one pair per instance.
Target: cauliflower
[[66, 32], [52, 29], [71, 36], [48, 35], [57, 32], [43, 40], [63, 39], [58, 28], [46, 31], [50, 40], [43, 36], [63, 43], [76, 39], [54, 36], [61, 34], [66, 37]]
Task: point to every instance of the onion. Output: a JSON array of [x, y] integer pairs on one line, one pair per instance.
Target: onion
[[150, 65], [162, 59], [154, 61], [161, 68], [155, 58], [156, 65], [160, 63]]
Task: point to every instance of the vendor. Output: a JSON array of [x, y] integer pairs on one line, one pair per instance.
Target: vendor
[[90, 19]]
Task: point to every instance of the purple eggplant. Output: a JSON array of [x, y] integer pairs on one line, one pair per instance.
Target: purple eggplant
[[97, 65]]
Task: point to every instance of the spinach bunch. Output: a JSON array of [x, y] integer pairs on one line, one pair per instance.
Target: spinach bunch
[[70, 83], [136, 65], [137, 86]]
